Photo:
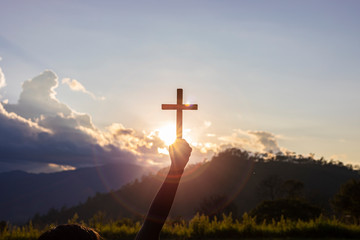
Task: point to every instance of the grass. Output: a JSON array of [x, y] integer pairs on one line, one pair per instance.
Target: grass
[[201, 227]]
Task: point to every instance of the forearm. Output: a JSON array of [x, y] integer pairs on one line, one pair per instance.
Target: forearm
[[160, 207]]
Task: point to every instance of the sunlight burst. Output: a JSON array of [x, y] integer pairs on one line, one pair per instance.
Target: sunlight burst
[[168, 134]]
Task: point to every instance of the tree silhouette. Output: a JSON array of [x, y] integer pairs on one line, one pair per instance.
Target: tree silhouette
[[292, 209], [270, 187], [347, 201], [292, 189], [273, 187], [217, 205]]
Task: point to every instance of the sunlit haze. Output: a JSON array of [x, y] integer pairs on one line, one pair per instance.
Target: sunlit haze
[[167, 133], [82, 82]]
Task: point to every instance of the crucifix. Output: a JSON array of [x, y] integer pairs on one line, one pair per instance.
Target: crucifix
[[179, 106]]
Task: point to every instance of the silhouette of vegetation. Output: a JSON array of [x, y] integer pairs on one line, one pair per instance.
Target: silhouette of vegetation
[[292, 189], [292, 209], [202, 227], [347, 201], [3, 226], [286, 200], [245, 178], [216, 206], [290, 184], [270, 187]]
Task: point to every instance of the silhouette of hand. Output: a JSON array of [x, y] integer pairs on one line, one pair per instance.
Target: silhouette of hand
[[180, 152]]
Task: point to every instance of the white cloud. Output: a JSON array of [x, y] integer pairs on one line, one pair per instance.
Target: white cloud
[[42, 134], [267, 140], [75, 85], [40, 130], [27, 127], [145, 145], [255, 141], [56, 167], [38, 97], [2, 79]]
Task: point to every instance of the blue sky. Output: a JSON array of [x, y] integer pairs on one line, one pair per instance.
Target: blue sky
[[284, 73]]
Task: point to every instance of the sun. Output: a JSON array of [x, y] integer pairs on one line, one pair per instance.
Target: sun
[[167, 133]]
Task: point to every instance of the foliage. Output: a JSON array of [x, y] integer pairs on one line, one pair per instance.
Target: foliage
[[217, 205], [236, 174], [3, 226], [201, 227], [273, 187], [270, 187], [292, 189], [292, 209], [347, 200]]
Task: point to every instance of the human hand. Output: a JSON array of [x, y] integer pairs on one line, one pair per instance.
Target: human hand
[[180, 152]]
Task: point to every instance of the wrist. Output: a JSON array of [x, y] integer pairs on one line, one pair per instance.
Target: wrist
[[176, 171]]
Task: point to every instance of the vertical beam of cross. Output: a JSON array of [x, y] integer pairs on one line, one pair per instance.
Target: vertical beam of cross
[[179, 107], [179, 118]]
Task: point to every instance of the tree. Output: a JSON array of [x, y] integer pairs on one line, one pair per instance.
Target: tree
[[273, 187], [270, 187], [347, 201], [292, 209], [292, 189], [217, 205]]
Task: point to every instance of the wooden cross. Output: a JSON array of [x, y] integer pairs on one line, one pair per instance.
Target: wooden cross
[[179, 106]]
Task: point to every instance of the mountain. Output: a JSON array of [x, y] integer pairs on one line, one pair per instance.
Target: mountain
[[24, 194], [234, 174]]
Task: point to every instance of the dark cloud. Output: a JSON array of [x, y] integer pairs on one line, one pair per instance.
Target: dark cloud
[[41, 131]]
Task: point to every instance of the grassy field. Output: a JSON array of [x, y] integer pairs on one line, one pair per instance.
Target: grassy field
[[201, 227]]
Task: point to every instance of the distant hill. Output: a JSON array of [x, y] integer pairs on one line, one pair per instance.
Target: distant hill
[[232, 173], [24, 194]]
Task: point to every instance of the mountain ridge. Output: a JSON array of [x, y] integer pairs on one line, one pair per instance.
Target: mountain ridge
[[28, 193], [233, 173]]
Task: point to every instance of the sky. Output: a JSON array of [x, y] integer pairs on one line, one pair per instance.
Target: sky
[[82, 82]]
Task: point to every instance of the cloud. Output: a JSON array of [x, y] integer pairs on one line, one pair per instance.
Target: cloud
[[267, 140], [40, 132], [2, 78], [62, 142], [75, 85], [255, 141], [145, 145], [38, 97]]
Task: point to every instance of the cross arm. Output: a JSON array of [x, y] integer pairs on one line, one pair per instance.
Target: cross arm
[[169, 106], [190, 107], [175, 107]]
